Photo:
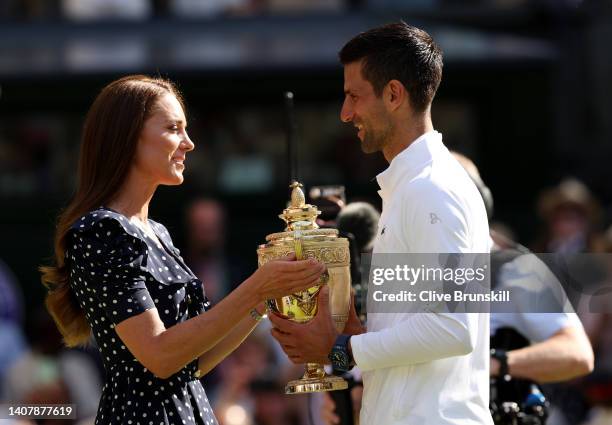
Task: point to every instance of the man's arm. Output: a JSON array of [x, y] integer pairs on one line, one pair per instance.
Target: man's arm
[[565, 355], [423, 338]]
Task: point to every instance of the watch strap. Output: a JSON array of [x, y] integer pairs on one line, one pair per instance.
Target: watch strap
[[502, 357]]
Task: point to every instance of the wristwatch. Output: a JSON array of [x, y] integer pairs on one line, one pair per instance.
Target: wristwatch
[[339, 356], [502, 358]]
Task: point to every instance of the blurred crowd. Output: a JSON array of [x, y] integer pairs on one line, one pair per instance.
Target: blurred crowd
[[244, 152], [239, 149], [140, 10], [247, 388]]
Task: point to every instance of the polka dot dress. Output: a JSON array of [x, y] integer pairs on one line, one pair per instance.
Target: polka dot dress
[[118, 271]]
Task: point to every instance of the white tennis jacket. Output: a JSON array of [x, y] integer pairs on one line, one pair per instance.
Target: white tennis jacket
[[427, 368]]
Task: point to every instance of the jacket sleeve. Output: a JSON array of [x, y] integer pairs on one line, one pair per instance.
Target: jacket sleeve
[[435, 222]]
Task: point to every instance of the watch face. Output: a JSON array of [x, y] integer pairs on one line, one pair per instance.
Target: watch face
[[339, 360]]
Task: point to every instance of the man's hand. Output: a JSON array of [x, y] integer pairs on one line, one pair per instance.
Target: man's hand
[[353, 325], [328, 411], [328, 414], [309, 342], [494, 368]]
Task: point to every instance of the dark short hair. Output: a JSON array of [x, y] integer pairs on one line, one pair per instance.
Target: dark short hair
[[400, 52]]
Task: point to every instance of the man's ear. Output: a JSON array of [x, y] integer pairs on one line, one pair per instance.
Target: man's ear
[[394, 94]]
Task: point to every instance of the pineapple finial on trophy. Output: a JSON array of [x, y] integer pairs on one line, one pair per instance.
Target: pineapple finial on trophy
[[297, 195], [299, 215]]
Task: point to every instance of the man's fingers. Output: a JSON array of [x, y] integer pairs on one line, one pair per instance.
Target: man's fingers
[[323, 301], [356, 397], [328, 409], [284, 339], [281, 324], [295, 360], [287, 341]]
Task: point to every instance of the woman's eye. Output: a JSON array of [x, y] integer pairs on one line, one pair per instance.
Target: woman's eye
[[173, 128]]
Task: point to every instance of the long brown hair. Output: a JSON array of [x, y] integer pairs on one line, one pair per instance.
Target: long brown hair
[[108, 145]]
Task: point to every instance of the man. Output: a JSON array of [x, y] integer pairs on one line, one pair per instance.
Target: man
[[425, 368], [557, 347]]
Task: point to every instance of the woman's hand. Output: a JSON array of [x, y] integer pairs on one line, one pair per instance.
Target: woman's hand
[[286, 276]]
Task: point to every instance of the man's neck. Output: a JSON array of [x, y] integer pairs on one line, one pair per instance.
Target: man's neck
[[406, 134]]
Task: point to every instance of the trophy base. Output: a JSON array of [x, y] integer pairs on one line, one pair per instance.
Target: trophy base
[[316, 385]]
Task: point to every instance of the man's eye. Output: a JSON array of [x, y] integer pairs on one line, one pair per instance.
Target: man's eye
[[173, 128]]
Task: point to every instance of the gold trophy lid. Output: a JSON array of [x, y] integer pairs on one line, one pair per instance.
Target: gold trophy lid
[[300, 216]]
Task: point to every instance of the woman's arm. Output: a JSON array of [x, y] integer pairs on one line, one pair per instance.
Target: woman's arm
[[165, 351], [213, 357]]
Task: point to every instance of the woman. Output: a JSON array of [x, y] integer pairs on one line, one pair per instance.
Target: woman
[[119, 276]]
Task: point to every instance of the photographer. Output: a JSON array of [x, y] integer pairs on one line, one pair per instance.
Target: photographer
[[528, 348]]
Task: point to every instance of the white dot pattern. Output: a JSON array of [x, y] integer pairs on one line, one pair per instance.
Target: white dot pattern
[[116, 272]]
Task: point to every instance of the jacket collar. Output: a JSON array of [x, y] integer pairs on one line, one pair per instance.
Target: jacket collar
[[409, 162]]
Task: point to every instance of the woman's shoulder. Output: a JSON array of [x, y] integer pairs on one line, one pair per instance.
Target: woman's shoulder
[[104, 225], [104, 233]]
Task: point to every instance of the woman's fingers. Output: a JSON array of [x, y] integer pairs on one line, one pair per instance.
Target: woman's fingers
[[303, 284], [289, 257], [287, 277], [301, 266], [309, 274]]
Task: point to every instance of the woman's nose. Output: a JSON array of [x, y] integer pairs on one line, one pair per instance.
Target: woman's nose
[[188, 145]]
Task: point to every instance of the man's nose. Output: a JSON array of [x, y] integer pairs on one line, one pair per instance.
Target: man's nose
[[346, 113]]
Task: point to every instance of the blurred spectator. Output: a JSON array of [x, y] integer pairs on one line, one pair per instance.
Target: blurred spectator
[[206, 249], [597, 319], [572, 217], [271, 406], [49, 374], [502, 234], [301, 6], [11, 298], [233, 400], [87, 10], [250, 390], [11, 310], [212, 8], [28, 9], [397, 4], [597, 388]]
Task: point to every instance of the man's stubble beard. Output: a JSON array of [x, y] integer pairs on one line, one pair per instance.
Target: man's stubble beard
[[375, 140]]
